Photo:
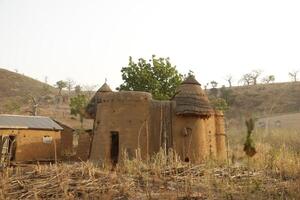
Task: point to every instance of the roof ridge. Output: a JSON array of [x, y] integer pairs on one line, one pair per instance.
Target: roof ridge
[[12, 115]]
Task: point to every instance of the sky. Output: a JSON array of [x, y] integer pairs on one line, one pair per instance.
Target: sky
[[90, 40]]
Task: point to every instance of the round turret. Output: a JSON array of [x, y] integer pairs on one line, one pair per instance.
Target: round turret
[[91, 108], [191, 100]]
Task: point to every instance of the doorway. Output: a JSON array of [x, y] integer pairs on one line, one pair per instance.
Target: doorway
[[7, 149], [114, 148]]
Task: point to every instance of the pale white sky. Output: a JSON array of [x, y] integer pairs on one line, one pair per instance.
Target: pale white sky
[[89, 41]]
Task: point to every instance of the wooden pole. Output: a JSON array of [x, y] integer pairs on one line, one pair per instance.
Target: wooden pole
[[55, 153]]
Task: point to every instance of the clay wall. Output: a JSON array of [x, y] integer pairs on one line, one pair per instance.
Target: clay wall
[[190, 138], [211, 137], [161, 126], [84, 145], [125, 113], [67, 148], [220, 136], [30, 145]]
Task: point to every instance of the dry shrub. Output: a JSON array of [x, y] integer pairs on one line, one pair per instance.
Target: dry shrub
[[273, 173], [278, 152]]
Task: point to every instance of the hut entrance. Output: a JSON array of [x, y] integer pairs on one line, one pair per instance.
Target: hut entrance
[[7, 150], [114, 149]]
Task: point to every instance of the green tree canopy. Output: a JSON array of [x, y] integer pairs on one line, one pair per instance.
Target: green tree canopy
[[157, 76], [61, 85], [219, 104], [77, 105]]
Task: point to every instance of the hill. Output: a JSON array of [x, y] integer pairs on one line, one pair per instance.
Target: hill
[[16, 90], [17, 93], [259, 100], [17, 85]]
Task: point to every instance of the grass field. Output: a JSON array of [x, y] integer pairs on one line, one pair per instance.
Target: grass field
[[273, 173]]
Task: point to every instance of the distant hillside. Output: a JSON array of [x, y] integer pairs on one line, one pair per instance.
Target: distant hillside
[[261, 99], [17, 92], [255, 100], [16, 97], [285, 121], [16, 85]]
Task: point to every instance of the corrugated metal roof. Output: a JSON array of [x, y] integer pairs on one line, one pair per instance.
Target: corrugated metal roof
[[28, 122]]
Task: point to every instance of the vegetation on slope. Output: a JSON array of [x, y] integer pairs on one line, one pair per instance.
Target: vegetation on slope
[[16, 85], [259, 100]]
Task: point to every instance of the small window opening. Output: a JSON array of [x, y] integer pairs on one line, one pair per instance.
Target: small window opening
[[186, 159]]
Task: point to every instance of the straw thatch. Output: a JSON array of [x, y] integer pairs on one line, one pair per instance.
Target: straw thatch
[[92, 105], [191, 100]]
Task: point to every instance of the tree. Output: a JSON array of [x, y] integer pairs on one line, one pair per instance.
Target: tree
[[205, 86], [254, 75], [61, 85], [157, 76], [70, 84], [251, 78], [227, 95], [293, 75], [214, 91], [89, 90], [35, 105], [229, 78], [219, 104], [214, 84], [268, 79], [77, 89], [246, 79], [77, 105]]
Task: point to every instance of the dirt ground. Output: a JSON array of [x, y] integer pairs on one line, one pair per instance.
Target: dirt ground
[[137, 180]]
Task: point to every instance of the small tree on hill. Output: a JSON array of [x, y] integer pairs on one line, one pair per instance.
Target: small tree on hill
[[35, 105], [268, 79], [294, 75], [220, 104], [227, 95], [246, 79], [251, 78], [60, 85], [70, 84], [157, 76], [77, 89], [214, 84], [254, 75], [214, 90], [77, 105], [89, 90], [229, 78]]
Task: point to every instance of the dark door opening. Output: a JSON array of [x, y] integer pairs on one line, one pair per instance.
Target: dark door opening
[[114, 148], [7, 150]]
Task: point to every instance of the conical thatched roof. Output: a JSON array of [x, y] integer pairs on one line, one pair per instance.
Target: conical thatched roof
[[91, 108], [191, 99], [190, 80], [104, 88]]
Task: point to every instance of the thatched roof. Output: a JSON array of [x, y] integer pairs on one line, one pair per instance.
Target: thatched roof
[[92, 105], [190, 80], [104, 88], [191, 99]]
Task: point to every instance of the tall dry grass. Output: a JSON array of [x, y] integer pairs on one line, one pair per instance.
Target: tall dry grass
[[278, 152], [273, 173]]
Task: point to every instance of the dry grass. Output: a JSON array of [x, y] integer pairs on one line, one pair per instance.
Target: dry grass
[[273, 173]]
